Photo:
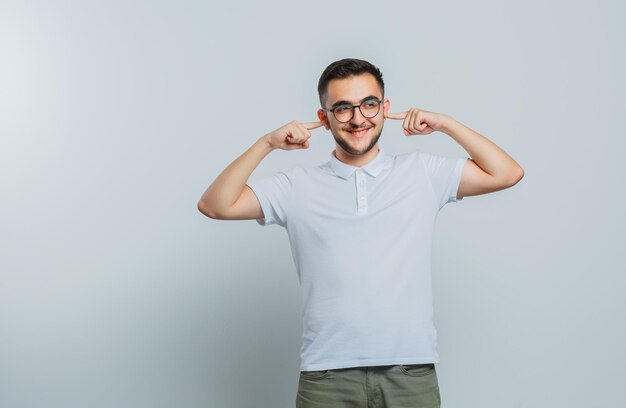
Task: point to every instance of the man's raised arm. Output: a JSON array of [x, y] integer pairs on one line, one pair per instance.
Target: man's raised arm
[[228, 197]]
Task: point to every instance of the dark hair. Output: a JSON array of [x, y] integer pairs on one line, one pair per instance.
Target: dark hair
[[345, 68]]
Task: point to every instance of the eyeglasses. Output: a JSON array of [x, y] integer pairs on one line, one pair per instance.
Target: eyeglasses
[[345, 112]]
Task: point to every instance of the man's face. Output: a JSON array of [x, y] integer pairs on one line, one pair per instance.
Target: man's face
[[354, 90]]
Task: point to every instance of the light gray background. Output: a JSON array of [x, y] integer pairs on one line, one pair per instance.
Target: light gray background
[[116, 116]]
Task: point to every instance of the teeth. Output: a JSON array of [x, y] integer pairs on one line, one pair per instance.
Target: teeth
[[358, 131]]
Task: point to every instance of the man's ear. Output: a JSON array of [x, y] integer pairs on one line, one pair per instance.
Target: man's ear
[[323, 117], [386, 104]]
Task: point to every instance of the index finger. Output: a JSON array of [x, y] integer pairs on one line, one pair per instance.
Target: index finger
[[400, 115], [312, 125]]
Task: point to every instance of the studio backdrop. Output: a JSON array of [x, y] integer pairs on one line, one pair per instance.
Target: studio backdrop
[[115, 291]]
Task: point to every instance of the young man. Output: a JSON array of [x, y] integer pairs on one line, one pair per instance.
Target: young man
[[360, 227]]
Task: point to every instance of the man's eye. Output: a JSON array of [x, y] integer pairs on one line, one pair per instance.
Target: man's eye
[[342, 109]]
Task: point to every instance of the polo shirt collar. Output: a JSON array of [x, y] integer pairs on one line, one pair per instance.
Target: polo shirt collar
[[373, 168]]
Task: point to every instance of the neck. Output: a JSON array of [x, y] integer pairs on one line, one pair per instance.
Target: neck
[[356, 160]]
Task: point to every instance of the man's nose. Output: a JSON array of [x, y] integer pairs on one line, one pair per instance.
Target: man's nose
[[357, 116]]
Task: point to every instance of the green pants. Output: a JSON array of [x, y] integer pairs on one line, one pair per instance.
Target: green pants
[[390, 386]]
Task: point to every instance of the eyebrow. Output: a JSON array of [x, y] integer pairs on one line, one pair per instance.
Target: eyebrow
[[350, 103]]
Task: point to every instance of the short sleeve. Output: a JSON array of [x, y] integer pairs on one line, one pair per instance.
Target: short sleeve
[[273, 195], [444, 173]]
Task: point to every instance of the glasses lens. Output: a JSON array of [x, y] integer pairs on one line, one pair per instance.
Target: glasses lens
[[369, 108], [343, 113]]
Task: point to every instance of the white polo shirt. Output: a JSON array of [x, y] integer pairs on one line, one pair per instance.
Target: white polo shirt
[[361, 242]]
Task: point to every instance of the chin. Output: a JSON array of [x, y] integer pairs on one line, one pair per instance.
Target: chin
[[346, 147]]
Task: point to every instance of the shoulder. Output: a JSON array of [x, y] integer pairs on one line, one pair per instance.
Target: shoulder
[[407, 159], [297, 174]]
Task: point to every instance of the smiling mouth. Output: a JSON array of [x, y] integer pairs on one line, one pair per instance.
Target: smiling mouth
[[358, 132]]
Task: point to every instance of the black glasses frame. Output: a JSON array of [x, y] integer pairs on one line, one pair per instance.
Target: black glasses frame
[[380, 102]]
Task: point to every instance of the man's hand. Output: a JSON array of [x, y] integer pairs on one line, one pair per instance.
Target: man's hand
[[419, 122], [294, 135]]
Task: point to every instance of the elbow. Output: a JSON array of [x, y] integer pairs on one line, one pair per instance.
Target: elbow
[[516, 176], [205, 210], [510, 179]]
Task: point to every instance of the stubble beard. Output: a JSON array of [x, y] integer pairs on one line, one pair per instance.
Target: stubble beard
[[345, 145]]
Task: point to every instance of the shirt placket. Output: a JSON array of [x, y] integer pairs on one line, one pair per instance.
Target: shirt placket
[[361, 192]]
